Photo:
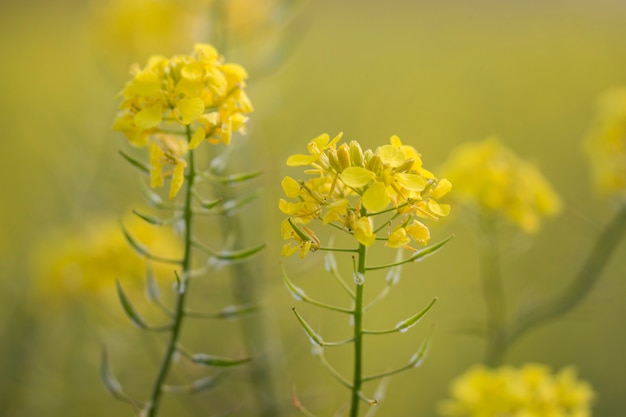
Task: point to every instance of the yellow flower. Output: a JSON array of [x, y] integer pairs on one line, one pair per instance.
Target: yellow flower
[[606, 144], [168, 98], [84, 264], [532, 390], [348, 188], [496, 182]]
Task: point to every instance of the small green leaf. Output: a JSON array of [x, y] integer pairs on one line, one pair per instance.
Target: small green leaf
[[405, 325], [315, 338], [137, 164], [129, 309], [231, 206], [218, 361]]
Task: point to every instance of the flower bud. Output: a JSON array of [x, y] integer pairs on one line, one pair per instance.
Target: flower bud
[[344, 157], [375, 164], [333, 160], [406, 165], [356, 154]]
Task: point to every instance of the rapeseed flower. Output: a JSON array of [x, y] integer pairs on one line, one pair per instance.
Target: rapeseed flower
[[497, 183], [84, 264], [606, 144], [177, 103], [348, 188], [532, 390]]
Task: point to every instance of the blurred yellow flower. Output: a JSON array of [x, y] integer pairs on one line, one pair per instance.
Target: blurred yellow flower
[[350, 187], [84, 264], [131, 30], [606, 144], [187, 98], [496, 182], [529, 391]]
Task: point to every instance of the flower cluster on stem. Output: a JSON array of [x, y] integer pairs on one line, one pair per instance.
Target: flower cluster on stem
[[169, 97], [349, 187]]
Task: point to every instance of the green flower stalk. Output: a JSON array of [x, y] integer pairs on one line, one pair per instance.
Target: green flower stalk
[[500, 187], [173, 106], [372, 195]]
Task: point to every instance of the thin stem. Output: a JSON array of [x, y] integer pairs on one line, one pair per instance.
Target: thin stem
[[357, 378], [493, 293], [182, 290], [589, 273]]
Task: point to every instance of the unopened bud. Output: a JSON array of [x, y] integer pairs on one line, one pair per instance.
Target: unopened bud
[[356, 154], [344, 156], [333, 160], [406, 165], [375, 164]]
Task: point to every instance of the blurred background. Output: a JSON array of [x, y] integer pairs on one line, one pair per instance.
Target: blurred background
[[437, 74]]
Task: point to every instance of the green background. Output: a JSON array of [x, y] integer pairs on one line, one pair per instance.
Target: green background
[[437, 74]]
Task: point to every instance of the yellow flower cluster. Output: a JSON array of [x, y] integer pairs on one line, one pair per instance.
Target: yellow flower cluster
[[530, 391], [349, 187], [176, 104], [496, 181], [85, 263], [606, 144]]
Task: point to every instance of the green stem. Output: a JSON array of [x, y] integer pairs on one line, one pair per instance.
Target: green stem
[[493, 293], [583, 282], [357, 379], [182, 290]]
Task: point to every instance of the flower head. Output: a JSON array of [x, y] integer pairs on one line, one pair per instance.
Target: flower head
[[85, 263], [606, 144], [190, 98], [495, 181], [348, 188], [531, 390]]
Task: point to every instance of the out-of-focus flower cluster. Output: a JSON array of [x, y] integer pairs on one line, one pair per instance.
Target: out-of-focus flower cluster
[[349, 187], [195, 96], [530, 391], [606, 144], [496, 182], [85, 264]]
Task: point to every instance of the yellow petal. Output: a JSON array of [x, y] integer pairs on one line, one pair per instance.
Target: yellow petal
[[438, 209], [363, 231], [398, 238], [411, 182], [419, 232], [443, 187], [149, 117], [197, 138], [290, 187], [177, 179], [357, 177], [391, 155], [375, 198], [156, 166], [301, 160], [146, 84], [190, 109]]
